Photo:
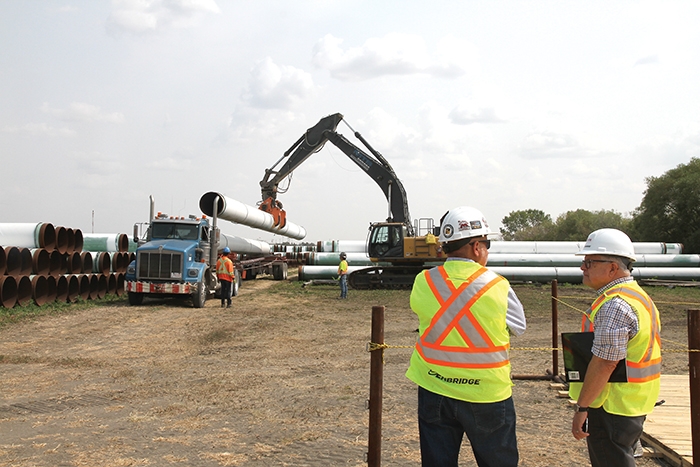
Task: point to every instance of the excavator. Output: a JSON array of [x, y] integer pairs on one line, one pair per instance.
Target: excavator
[[400, 249]]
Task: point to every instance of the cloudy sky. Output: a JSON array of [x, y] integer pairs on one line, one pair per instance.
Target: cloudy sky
[[501, 105]]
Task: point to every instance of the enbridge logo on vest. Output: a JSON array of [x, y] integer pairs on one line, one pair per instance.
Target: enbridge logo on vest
[[437, 375]]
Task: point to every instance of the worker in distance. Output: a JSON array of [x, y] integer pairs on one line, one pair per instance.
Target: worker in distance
[[461, 365], [626, 326]]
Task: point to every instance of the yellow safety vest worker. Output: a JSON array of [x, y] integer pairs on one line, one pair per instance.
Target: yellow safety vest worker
[[224, 269], [643, 362], [462, 351]]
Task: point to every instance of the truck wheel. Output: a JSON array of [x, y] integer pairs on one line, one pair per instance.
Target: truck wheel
[[279, 271], [135, 299], [236, 283], [200, 295]]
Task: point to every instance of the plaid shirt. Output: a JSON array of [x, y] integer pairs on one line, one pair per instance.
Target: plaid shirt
[[614, 324]]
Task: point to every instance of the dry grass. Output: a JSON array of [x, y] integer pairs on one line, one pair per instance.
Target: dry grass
[[281, 378]]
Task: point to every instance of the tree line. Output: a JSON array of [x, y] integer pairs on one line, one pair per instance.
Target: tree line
[[669, 212]]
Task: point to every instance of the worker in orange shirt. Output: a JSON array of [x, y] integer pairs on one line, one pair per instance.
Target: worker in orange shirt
[[224, 271]]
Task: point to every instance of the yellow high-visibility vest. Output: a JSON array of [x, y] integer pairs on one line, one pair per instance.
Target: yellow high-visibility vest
[[643, 362], [462, 351]]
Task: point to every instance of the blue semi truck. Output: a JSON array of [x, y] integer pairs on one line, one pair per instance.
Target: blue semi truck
[[176, 256]]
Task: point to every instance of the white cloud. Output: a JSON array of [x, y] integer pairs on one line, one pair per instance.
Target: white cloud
[[82, 112], [39, 129], [466, 114], [273, 86], [648, 60], [142, 16], [544, 145], [393, 54]]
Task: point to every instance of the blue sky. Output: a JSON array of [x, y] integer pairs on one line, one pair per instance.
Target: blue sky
[[501, 105]]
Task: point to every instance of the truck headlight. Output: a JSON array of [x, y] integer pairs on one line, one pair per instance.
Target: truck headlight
[[131, 270], [192, 273]]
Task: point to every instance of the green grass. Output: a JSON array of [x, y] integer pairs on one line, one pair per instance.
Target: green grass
[[31, 311]]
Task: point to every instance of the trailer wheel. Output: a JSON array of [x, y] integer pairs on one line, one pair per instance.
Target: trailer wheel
[[200, 295], [279, 271], [236, 282], [135, 299]]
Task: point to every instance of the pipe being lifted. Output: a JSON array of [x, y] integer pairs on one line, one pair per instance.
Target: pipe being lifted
[[28, 235], [237, 212]]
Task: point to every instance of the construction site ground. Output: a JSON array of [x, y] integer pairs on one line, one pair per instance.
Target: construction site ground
[[279, 379]]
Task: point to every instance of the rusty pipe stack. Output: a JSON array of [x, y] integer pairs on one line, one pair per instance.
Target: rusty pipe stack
[[43, 263]]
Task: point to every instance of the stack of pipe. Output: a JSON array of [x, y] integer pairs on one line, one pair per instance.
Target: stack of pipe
[[523, 261], [43, 263]]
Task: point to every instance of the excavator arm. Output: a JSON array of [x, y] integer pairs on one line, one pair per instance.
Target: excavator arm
[[373, 165]]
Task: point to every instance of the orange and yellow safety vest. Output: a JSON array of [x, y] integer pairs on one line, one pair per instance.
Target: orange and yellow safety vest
[[462, 351], [643, 362]]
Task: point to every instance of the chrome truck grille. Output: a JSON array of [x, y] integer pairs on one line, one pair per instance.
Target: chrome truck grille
[[159, 265]]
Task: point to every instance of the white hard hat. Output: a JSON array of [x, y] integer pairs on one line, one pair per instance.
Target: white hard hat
[[463, 222], [610, 242]]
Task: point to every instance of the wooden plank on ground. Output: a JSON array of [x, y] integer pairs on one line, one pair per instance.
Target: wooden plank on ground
[[667, 428]]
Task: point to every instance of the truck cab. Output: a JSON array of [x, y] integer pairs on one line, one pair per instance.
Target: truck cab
[[173, 258]]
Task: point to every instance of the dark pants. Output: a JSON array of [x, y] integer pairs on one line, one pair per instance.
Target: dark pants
[[490, 427], [612, 438], [226, 289]]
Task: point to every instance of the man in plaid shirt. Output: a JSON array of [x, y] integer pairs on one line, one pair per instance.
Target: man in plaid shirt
[[626, 326]]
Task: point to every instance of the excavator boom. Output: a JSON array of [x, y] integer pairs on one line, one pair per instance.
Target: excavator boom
[[373, 165]]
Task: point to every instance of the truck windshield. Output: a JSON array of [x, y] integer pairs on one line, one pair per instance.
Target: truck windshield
[[162, 230]]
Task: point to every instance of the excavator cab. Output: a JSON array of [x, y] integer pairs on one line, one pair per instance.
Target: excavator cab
[[386, 240]]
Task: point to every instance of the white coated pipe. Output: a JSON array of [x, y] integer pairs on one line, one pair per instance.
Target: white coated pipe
[[640, 248], [348, 246], [575, 275], [322, 272], [110, 242], [235, 211], [244, 245], [570, 260], [569, 275], [28, 235]]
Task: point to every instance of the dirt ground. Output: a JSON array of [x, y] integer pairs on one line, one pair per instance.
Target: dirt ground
[[279, 379]]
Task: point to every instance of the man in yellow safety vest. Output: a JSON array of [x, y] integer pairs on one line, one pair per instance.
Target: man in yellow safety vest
[[626, 326], [467, 314]]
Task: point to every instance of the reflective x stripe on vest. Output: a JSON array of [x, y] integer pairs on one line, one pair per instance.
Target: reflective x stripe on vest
[[645, 367], [455, 314], [221, 267]]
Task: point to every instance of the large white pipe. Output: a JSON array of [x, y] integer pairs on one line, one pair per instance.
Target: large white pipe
[[575, 275], [640, 248], [110, 242], [348, 246], [244, 245], [570, 260], [235, 211], [28, 235]]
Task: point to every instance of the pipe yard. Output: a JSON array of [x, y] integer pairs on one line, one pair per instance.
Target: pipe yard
[[41, 263]]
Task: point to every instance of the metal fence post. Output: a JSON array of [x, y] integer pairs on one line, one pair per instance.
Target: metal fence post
[[555, 329], [694, 370], [376, 378]]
